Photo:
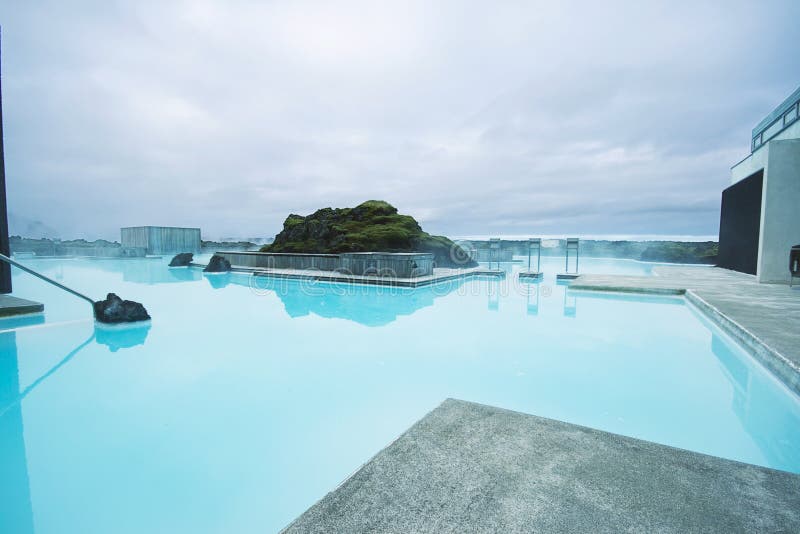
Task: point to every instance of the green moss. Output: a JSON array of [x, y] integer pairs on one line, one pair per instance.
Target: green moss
[[372, 226]]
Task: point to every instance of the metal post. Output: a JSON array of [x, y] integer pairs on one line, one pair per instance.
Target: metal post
[[572, 244], [537, 242], [494, 244], [5, 270], [539, 258]]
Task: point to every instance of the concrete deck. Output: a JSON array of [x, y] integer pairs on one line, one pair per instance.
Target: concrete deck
[[439, 275], [765, 318], [472, 468], [11, 306]]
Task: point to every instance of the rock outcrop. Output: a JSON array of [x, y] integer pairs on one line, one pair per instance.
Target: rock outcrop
[[217, 264], [114, 310], [182, 260], [373, 226]]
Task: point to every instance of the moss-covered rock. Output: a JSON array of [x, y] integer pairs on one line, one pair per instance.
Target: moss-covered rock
[[373, 226]]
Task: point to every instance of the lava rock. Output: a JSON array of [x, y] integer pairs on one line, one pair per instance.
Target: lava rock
[[217, 264], [115, 310], [182, 260], [372, 226]]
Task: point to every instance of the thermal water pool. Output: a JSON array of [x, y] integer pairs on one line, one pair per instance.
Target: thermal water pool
[[243, 403]]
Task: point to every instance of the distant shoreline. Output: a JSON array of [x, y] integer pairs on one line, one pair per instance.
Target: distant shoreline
[[652, 250], [637, 238]]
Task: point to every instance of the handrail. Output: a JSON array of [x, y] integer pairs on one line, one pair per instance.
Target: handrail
[[40, 276]]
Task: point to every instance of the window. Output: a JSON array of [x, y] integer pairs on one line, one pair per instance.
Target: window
[[790, 116], [773, 129]]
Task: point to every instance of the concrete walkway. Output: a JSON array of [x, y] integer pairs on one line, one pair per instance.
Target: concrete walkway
[[11, 306], [765, 318], [472, 468]]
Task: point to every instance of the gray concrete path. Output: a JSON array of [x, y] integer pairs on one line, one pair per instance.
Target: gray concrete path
[[471, 468], [765, 318], [11, 306]]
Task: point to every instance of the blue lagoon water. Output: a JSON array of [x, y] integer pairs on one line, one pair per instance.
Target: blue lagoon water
[[243, 403]]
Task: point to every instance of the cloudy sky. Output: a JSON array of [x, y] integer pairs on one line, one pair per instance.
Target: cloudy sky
[[475, 117]]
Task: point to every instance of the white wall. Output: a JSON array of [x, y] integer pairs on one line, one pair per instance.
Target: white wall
[[758, 159], [780, 210]]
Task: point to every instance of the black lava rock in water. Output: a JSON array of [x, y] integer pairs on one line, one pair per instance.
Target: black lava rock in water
[[115, 310], [182, 260], [217, 264]]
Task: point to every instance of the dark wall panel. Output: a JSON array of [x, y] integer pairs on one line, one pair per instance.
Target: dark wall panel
[[739, 224]]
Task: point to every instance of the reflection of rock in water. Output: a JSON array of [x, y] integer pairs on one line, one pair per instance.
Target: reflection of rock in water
[[125, 337], [367, 305], [766, 412], [184, 274], [218, 280]]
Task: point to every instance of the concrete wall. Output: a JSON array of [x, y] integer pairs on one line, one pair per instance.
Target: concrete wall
[[780, 210], [404, 265], [779, 226], [758, 159], [102, 252], [750, 165], [136, 236], [162, 239], [267, 260]]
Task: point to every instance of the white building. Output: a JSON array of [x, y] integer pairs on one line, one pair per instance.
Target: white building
[[760, 217]]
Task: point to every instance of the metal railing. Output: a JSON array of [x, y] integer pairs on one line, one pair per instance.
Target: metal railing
[[777, 121], [40, 276]]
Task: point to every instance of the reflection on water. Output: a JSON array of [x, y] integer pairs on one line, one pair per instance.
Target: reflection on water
[[113, 337], [493, 291], [364, 304], [570, 304], [9, 323], [764, 407], [532, 292], [16, 511], [123, 336], [156, 272], [218, 280]]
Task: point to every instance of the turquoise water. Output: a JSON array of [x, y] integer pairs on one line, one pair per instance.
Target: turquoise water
[[242, 404]]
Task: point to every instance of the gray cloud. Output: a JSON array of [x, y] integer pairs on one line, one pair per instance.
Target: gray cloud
[[529, 117]]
